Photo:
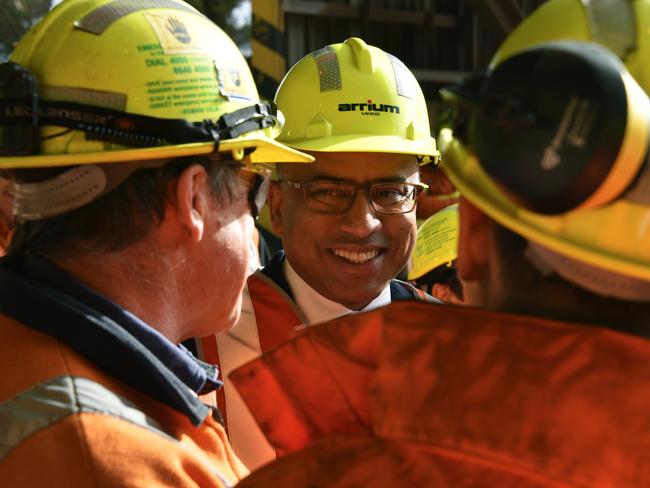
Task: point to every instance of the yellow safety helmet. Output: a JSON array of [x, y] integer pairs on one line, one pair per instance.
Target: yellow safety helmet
[[553, 141], [105, 81], [352, 97]]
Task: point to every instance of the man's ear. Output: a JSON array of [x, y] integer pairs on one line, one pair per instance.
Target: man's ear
[[473, 242], [192, 200], [275, 207]]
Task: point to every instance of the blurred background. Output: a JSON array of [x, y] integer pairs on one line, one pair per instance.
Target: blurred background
[[439, 40]]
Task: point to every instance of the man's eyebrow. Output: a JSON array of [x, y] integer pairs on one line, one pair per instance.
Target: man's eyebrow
[[326, 177], [383, 179], [390, 179]]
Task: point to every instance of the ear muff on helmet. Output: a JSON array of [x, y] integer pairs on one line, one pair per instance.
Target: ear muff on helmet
[[559, 126]]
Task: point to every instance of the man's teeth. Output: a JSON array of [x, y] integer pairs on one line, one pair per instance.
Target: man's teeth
[[356, 257]]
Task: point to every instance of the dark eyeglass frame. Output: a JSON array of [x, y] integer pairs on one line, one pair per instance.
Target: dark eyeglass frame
[[366, 188], [259, 190]]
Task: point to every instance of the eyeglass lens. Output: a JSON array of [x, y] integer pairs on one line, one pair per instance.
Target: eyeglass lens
[[337, 197]]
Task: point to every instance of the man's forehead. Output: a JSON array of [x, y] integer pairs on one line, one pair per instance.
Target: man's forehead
[[355, 166]]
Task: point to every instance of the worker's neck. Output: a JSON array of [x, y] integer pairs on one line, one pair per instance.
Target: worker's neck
[[140, 279]]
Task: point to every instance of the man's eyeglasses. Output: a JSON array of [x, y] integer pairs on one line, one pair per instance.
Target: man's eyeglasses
[[336, 197]]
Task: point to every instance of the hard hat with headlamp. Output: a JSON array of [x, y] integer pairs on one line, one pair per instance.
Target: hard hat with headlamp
[[99, 81]]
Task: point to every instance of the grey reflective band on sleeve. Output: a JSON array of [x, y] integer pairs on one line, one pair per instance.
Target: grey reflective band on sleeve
[[100, 19], [403, 78], [612, 24], [56, 399], [329, 71]]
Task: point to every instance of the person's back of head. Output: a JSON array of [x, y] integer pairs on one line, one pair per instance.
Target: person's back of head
[[107, 109], [552, 145]]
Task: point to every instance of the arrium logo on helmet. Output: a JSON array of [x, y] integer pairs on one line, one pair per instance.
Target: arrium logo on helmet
[[368, 108]]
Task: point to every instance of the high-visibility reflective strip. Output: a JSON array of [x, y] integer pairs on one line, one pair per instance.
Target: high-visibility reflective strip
[[112, 100], [56, 399], [100, 19], [237, 347], [329, 70], [403, 78]]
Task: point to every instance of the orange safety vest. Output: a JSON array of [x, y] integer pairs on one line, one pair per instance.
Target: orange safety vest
[[389, 398], [269, 317], [66, 421], [265, 303]]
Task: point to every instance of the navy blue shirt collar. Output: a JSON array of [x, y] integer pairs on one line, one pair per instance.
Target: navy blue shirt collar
[[41, 295]]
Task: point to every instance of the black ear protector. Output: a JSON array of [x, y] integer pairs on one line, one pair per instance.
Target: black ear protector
[[23, 112], [559, 126]]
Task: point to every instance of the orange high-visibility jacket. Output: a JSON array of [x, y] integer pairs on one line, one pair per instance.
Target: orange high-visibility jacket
[[473, 399], [66, 420], [269, 317]]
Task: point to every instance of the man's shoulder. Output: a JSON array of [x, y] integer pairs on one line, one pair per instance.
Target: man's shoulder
[[88, 446], [401, 290], [273, 270]]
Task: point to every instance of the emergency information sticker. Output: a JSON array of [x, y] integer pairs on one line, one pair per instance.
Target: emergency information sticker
[[436, 243]]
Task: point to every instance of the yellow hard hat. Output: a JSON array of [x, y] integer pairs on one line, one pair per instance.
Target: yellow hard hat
[[436, 243], [352, 97], [102, 81], [553, 141]]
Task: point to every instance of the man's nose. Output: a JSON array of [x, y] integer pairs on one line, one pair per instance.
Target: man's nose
[[360, 219]]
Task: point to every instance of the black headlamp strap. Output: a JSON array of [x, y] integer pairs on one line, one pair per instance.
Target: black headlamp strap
[[138, 130]]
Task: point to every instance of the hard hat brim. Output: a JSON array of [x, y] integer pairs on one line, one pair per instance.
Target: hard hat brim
[[612, 237], [436, 243], [267, 151]]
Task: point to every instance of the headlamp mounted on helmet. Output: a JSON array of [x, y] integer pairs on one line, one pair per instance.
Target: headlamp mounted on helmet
[[23, 113]]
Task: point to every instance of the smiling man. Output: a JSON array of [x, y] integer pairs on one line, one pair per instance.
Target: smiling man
[[347, 221], [347, 225]]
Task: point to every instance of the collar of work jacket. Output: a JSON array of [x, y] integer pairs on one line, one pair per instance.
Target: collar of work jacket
[[40, 295], [565, 401]]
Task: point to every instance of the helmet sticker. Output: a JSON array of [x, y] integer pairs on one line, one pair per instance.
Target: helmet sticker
[[329, 70], [403, 78], [231, 84], [187, 51], [100, 19], [177, 33]]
